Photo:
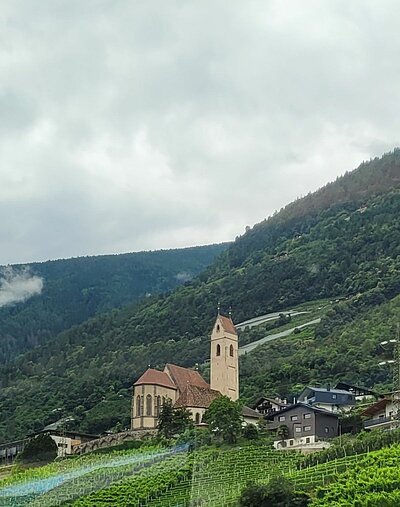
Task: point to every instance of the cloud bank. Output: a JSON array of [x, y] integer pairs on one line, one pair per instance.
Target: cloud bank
[[18, 286], [135, 125]]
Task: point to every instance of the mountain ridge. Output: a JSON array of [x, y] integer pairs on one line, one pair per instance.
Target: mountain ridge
[[88, 370]]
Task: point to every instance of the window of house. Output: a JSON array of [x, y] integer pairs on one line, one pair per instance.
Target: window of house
[[307, 428], [218, 350], [297, 429], [307, 416], [231, 350], [294, 418], [326, 429], [281, 418], [308, 440], [197, 418], [291, 442], [334, 396]]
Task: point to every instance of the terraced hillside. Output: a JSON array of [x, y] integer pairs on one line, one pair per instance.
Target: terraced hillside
[[157, 477]]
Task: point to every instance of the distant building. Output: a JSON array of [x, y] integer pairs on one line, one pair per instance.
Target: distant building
[[9, 450], [182, 386], [380, 415], [266, 406], [66, 440], [329, 399], [303, 425], [360, 393], [185, 387]]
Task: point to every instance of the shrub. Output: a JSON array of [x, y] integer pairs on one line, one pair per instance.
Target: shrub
[[40, 448]]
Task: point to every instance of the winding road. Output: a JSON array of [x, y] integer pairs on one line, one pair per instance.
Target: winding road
[[265, 318], [249, 347]]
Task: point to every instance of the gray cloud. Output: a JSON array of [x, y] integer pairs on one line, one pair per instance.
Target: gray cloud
[[18, 286], [128, 125]]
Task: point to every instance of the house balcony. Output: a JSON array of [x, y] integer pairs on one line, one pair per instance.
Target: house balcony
[[381, 422]]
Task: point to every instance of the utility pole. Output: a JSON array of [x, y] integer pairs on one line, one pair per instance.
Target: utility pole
[[396, 374], [396, 377]]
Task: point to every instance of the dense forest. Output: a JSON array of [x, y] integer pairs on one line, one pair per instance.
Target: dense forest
[[344, 240], [76, 289]]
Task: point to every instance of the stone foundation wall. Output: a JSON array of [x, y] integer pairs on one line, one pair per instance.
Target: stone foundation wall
[[112, 440]]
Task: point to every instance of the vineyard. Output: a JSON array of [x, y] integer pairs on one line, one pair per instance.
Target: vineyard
[[372, 481], [156, 477]]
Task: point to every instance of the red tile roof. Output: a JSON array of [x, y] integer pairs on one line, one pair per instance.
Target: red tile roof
[[227, 324], [195, 396], [182, 377], [157, 377]]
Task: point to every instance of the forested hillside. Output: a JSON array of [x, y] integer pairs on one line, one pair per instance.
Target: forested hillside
[[343, 240], [76, 289]]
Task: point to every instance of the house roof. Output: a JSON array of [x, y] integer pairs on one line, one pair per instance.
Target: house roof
[[182, 377], [227, 324], [305, 405], [152, 376], [271, 400], [195, 396], [324, 390], [376, 407], [348, 387], [249, 412]]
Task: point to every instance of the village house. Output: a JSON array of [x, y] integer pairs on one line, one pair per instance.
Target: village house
[[65, 441], [329, 399], [266, 406], [361, 394], [380, 415], [301, 425], [185, 387]]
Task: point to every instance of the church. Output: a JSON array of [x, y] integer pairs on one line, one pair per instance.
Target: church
[[186, 387]]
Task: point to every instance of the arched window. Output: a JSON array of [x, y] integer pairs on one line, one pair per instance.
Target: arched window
[[218, 350], [142, 405], [149, 402], [197, 418], [138, 406], [158, 406], [231, 350], [218, 328]]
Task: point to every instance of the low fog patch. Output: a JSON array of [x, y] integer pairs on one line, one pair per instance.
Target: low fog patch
[[17, 286]]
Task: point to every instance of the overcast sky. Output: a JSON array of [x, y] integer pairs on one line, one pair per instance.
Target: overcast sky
[[129, 125]]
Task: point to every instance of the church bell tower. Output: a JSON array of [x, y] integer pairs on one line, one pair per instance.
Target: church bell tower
[[224, 374]]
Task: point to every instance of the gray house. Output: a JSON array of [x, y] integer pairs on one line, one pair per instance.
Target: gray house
[[301, 425], [327, 398]]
